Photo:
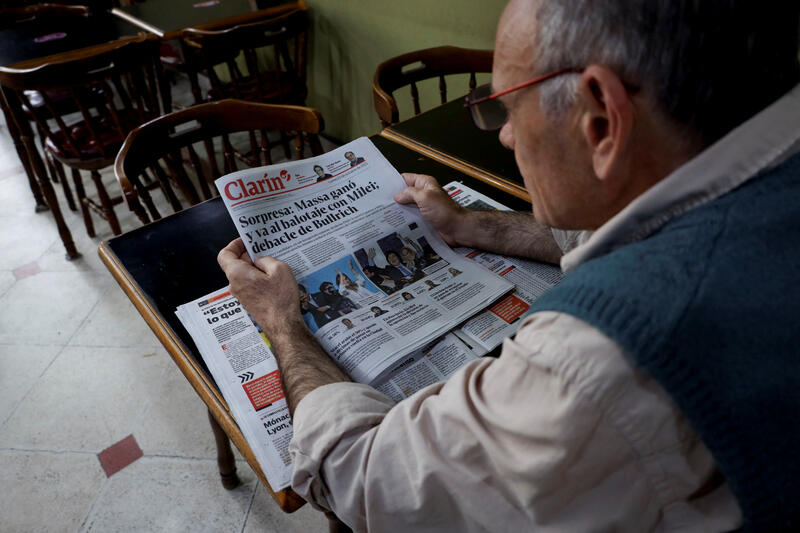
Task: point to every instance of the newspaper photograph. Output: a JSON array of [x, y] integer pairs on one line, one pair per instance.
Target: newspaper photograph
[[531, 279], [374, 279], [240, 360]]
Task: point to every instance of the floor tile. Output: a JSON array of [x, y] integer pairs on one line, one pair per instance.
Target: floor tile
[[50, 492], [49, 307], [169, 495], [53, 259], [88, 399], [119, 455], [20, 367], [16, 197], [24, 271], [7, 279], [265, 515], [24, 238], [176, 420], [114, 321]]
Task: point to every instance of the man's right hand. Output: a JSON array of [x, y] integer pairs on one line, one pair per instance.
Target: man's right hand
[[446, 216]]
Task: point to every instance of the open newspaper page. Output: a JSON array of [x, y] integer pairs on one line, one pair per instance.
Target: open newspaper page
[[487, 330], [424, 367], [376, 281], [238, 356]]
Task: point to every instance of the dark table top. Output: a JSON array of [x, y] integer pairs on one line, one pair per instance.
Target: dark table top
[[173, 260], [449, 129], [40, 38], [167, 18]]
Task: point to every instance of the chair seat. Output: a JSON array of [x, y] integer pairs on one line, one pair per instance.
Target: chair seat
[[273, 89], [110, 137], [61, 100]]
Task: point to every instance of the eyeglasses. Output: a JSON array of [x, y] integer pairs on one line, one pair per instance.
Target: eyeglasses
[[488, 112]]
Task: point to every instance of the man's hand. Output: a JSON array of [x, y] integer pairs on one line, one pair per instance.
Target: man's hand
[[267, 290], [500, 232], [446, 216]]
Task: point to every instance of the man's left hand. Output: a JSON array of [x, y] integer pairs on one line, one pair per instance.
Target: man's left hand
[[267, 289]]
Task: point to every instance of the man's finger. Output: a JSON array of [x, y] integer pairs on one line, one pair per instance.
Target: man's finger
[[419, 180], [268, 264], [231, 253], [407, 195]]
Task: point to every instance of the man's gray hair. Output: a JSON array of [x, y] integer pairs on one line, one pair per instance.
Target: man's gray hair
[[709, 64]]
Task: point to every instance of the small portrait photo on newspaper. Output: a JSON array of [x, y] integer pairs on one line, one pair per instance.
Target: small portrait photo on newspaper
[[334, 291]]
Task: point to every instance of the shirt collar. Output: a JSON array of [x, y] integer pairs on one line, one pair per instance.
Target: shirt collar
[[760, 143]]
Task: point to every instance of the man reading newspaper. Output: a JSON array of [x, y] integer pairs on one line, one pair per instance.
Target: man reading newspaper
[[656, 387]]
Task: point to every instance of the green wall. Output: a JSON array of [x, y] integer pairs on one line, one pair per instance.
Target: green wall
[[349, 38]]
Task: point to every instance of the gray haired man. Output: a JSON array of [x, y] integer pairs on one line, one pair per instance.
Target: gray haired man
[[657, 387]]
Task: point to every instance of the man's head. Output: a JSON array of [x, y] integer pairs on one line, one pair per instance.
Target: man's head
[[393, 258], [348, 323], [327, 287], [408, 254], [350, 156], [660, 81], [320, 171], [376, 309], [407, 296]]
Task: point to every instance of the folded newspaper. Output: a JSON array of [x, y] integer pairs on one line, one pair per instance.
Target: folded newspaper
[[385, 296]]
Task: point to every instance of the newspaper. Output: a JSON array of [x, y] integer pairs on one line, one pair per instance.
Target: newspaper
[[376, 280], [239, 357], [486, 331]]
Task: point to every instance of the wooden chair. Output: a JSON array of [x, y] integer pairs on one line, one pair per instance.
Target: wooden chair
[[113, 88], [14, 13], [410, 68], [167, 151], [263, 61]]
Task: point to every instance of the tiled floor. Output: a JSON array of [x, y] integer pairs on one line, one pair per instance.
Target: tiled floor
[[81, 374]]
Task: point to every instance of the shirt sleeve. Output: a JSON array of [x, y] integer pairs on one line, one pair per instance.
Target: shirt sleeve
[[523, 440]]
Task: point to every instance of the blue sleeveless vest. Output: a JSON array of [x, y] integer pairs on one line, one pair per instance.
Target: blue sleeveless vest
[[709, 307]]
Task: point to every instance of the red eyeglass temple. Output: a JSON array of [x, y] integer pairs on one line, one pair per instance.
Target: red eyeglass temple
[[528, 83]]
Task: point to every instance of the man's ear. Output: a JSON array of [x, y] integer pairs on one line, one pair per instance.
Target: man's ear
[[607, 119]]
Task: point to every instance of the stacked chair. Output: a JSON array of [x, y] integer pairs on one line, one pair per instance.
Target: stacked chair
[[411, 68], [84, 106], [263, 61]]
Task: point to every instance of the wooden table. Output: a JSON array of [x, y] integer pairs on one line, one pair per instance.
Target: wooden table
[[173, 261], [28, 45], [168, 18], [446, 134]]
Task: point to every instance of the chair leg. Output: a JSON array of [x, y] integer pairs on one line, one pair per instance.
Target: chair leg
[[49, 194], [82, 200], [59, 171], [105, 201], [225, 459]]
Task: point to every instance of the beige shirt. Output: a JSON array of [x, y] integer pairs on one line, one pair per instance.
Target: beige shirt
[[561, 432]]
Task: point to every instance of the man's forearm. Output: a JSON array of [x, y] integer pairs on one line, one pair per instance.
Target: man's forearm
[[509, 233], [304, 365]]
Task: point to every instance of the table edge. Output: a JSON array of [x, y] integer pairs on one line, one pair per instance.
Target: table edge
[[462, 166]]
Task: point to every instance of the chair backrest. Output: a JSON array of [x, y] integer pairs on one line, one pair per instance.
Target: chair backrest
[[12, 13], [196, 145], [263, 61], [410, 68], [113, 87]]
